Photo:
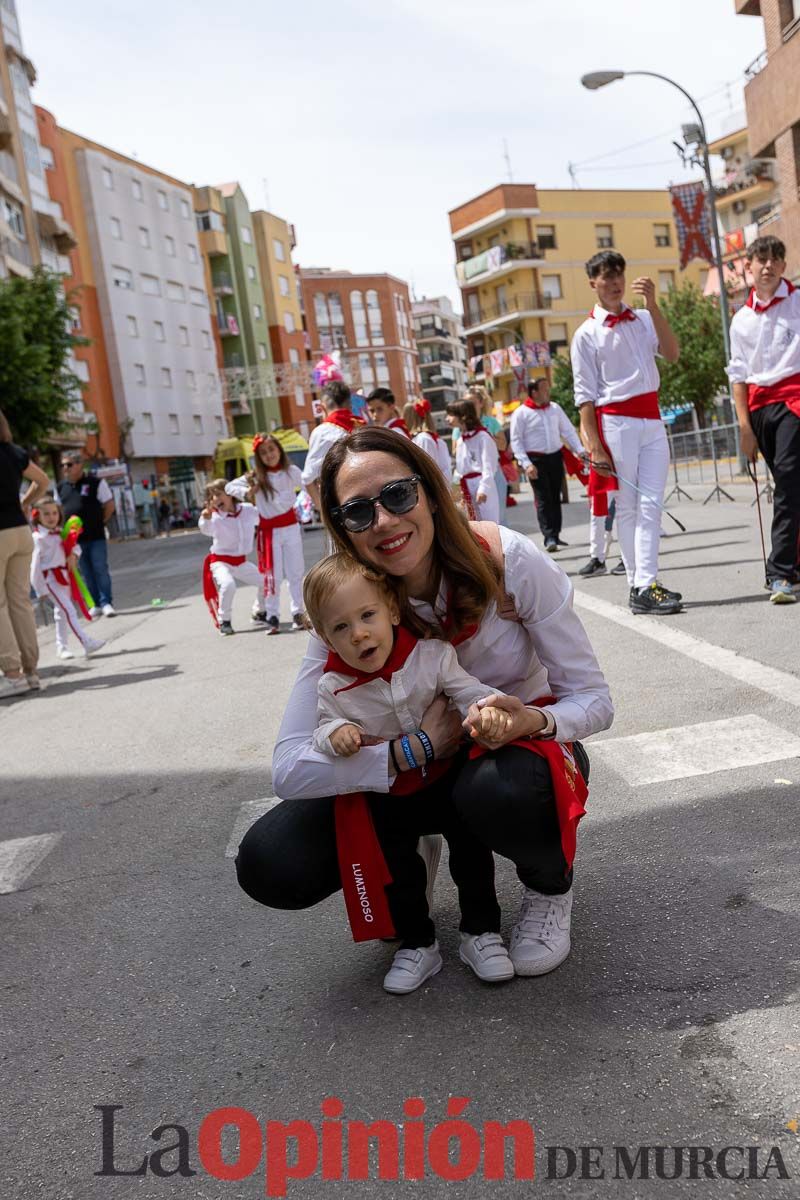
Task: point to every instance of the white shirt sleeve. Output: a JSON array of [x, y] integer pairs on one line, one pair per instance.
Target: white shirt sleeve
[[331, 716], [490, 458], [567, 431], [296, 476], [737, 367], [318, 447], [104, 493], [299, 771], [238, 488], [586, 376], [462, 688], [206, 525], [517, 440]]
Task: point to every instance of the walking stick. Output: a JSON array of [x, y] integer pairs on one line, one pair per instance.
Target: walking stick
[[646, 495], [752, 471]]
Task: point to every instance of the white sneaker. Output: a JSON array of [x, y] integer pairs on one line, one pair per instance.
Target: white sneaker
[[429, 849], [12, 687], [540, 939], [65, 653], [92, 646], [487, 956], [109, 610], [410, 969], [95, 612]]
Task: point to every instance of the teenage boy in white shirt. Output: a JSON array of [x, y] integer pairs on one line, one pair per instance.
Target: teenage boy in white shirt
[[616, 388], [765, 372], [539, 428]]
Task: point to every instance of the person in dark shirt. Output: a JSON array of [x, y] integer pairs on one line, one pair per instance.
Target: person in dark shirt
[[89, 498]]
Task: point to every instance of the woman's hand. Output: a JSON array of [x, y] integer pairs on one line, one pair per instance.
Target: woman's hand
[[443, 726], [524, 721]]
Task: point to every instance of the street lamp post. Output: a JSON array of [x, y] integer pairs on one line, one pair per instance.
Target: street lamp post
[[598, 79]]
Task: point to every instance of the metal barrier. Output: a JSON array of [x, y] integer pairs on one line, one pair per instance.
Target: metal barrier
[[711, 455]]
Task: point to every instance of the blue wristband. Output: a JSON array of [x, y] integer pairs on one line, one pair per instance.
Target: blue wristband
[[426, 743], [405, 746]]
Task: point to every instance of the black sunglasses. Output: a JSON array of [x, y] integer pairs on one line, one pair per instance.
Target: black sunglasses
[[397, 497]]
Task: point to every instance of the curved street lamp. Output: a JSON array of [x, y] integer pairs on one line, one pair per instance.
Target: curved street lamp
[[598, 79]]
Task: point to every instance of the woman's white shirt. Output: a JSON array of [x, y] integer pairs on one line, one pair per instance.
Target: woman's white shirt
[[545, 652]]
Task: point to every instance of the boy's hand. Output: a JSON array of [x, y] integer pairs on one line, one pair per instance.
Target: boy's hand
[[72, 561], [493, 724], [644, 287], [346, 740]]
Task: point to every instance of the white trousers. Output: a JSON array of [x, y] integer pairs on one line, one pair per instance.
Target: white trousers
[[490, 509], [66, 615], [288, 565], [225, 579], [641, 453], [597, 538]]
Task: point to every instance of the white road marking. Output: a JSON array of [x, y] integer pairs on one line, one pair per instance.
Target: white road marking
[[779, 684], [19, 857], [248, 814], [696, 749]]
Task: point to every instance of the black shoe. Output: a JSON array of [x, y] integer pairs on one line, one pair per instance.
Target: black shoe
[[593, 567], [551, 547], [652, 599], [619, 569], [259, 618], [299, 621], [273, 625], [667, 592], [225, 628], [560, 543]]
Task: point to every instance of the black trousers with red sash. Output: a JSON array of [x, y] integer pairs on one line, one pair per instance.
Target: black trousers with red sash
[[501, 803], [547, 493], [777, 431]]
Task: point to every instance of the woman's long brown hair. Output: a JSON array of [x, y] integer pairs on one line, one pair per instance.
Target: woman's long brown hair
[[263, 481], [471, 576], [5, 429]]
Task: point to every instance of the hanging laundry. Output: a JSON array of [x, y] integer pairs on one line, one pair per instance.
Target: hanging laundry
[[499, 359], [515, 358]]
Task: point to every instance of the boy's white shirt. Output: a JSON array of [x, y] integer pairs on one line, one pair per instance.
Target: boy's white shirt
[[233, 533], [388, 709], [48, 552]]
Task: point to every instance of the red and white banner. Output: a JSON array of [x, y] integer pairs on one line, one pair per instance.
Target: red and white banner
[[691, 220]]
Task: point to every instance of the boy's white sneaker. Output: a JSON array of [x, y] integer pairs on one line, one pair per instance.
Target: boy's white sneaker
[[12, 687], [92, 646], [64, 652], [540, 939], [95, 612], [109, 610], [487, 956], [411, 968]]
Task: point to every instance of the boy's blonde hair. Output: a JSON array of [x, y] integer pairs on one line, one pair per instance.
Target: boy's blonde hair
[[330, 573], [216, 485]]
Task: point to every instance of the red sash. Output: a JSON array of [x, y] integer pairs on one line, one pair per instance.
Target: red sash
[[467, 495], [209, 587], [785, 391], [67, 579], [344, 419], [569, 786], [530, 404], [574, 466], [264, 545], [645, 407]]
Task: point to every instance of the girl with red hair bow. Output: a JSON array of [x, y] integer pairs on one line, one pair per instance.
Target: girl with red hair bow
[[417, 417]]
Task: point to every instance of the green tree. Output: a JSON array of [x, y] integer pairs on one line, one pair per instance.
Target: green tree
[[36, 386], [562, 389], [699, 374]]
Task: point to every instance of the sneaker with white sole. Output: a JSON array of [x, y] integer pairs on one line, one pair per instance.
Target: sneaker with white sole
[[12, 687], [95, 612], [540, 939], [429, 848], [34, 682], [781, 592], [92, 646], [487, 956], [109, 610], [411, 968], [64, 652]]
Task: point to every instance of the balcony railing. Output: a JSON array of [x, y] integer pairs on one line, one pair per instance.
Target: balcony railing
[[19, 251], [222, 283], [522, 302], [755, 170], [497, 256], [756, 66]]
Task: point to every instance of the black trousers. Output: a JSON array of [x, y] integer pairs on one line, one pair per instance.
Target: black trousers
[[547, 493], [777, 432], [501, 803]]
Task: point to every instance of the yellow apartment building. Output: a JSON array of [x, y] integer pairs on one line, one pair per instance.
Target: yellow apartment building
[[520, 263]]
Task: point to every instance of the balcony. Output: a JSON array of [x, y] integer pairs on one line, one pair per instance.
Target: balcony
[[213, 242], [6, 128], [749, 177], [498, 259], [51, 225], [524, 304], [222, 284], [19, 259]]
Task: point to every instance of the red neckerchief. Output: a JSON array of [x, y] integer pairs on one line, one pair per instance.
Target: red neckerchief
[[344, 419], [399, 424], [612, 319], [530, 404], [753, 302], [471, 433], [404, 643], [236, 512], [274, 470]]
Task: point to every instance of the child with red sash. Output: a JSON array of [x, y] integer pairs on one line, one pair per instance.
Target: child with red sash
[[765, 372], [279, 540], [233, 528], [477, 462], [383, 410], [378, 681], [419, 422], [339, 420], [616, 388], [52, 574]]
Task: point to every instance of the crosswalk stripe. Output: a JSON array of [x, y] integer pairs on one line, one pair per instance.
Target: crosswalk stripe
[[248, 814], [687, 750], [19, 857]]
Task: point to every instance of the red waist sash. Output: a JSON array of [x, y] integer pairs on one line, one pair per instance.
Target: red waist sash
[[575, 466], [467, 495], [209, 587], [264, 545], [569, 786], [66, 578], [785, 391], [644, 407]]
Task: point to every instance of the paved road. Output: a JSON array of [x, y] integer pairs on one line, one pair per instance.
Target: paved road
[[135, 973]]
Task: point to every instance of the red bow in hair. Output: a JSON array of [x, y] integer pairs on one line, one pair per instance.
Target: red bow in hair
[[257, 440], [422, 407]]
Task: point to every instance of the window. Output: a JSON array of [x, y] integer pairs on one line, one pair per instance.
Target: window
[[206, 339], [247, 236], [198, 296], [158, 326], [262, 351], [144, 237], [183, 331], [666, 281], [661, 235], [166, 377], [147, 422], [257, 313], [299, 396], [381, 368], [192, 251], [207, 221], [251, 273], [150, 285], [366, 371], [546, 237], [121, 277], [108, 179], [294, 356], [138, 372], [551, 286], [191, 381], [133, 327], [288, 323], [604, 237], [136, 190], [557, 337], [473, 308], [283, 286], [175, 291], [501, 299], [163, 202], [197, 422], [174, 427], [280, 252], [186, 212], [14, 216], [359, 318], [169, 245], [375, 319], [218, 424], [116, 229], [48, 160]]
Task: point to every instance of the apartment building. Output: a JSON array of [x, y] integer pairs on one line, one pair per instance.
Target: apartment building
[[439, 334], [746, 200], [772, 100], [368, 318], [520, 263], [275, 241]]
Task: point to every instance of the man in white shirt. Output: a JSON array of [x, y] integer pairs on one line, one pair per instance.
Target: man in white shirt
[[539, 427], [616, 388], [337, 423], [765, 372]]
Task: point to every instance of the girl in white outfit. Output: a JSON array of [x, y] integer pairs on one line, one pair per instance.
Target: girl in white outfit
[[50, 576], [233, 529], [477, 460], [417, 417]]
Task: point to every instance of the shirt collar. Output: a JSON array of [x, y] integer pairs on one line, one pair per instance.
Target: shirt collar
[[784, 289], [599, 313]]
